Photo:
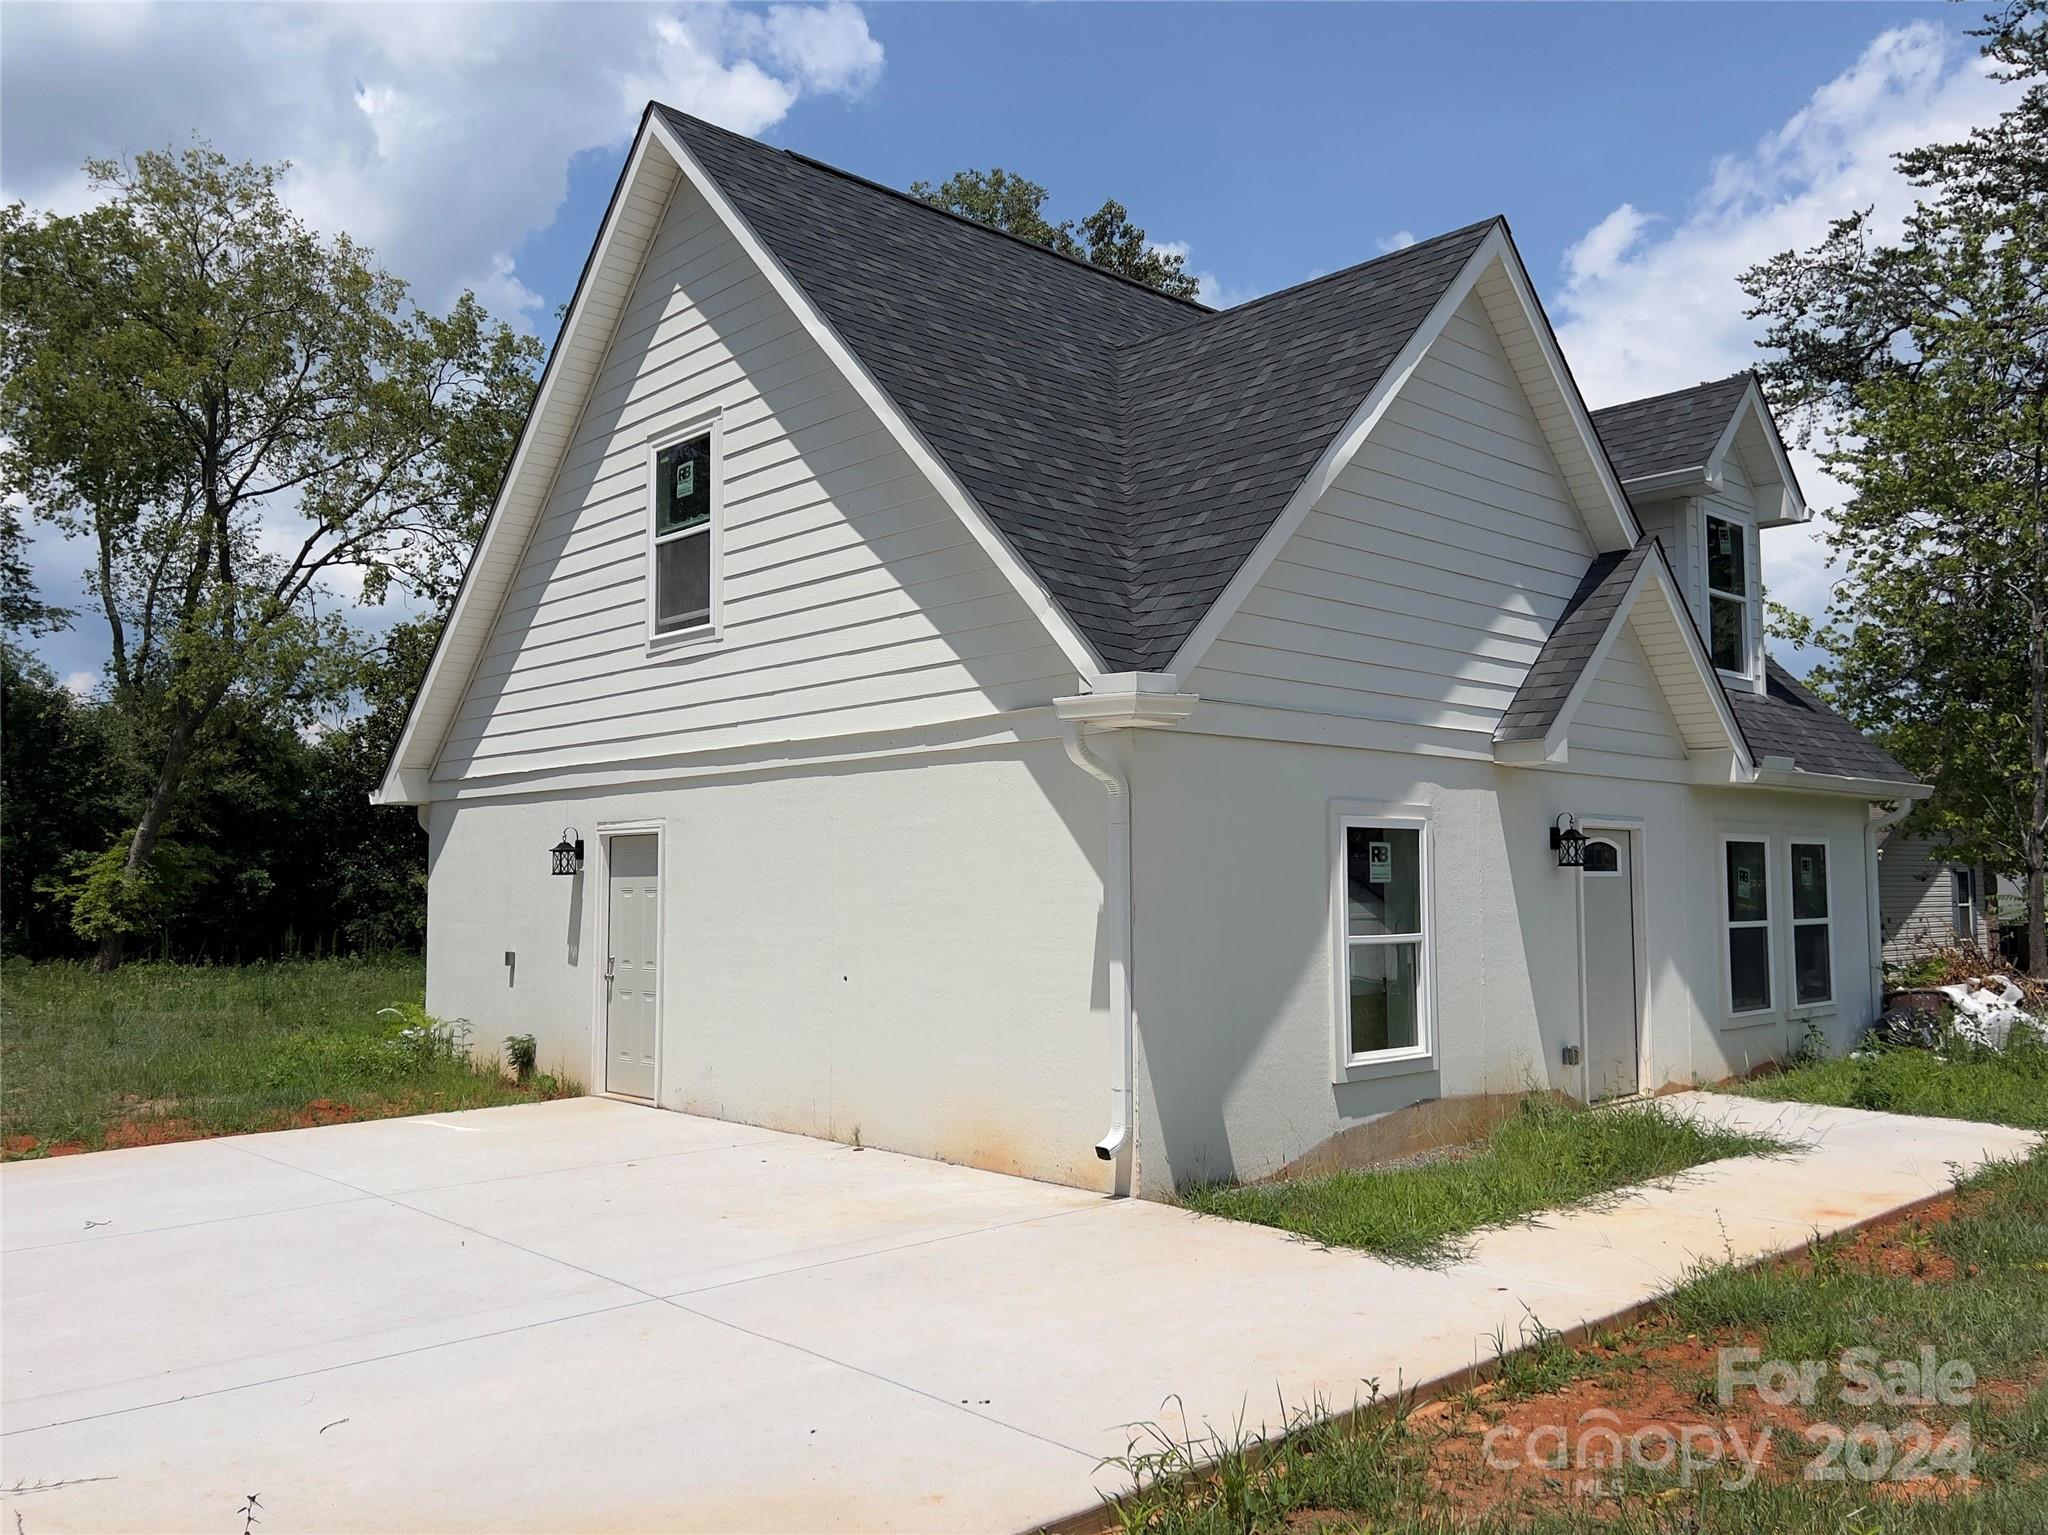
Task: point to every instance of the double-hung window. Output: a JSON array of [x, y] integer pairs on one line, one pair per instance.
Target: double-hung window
[[1963, 896], [1746, 880], [1384, 936], [1813, 941], [683, 534], [1728, 595]]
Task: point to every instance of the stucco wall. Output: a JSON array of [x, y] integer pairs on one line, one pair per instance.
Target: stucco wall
[[1235, 966], [909, 949]]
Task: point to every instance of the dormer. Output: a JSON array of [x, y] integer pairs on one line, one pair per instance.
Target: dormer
[[1707, 472]]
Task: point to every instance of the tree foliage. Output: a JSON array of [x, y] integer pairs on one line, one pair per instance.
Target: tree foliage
[[1919, 362], [233, 411], [1106, 238]]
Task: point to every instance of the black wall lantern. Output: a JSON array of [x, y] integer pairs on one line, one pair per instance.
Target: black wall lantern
[[568, 853], [1568, 842]]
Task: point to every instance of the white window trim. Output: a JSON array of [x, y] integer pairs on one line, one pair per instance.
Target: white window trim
[[710, 630], [1801, 1007], [1768, 924], [1422, 1055], [1961, 901], [1709, 516]]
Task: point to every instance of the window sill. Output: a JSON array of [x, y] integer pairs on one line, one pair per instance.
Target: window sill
[[1752, 1020], [1806, 1010], [682, 640], [1373, 1068]]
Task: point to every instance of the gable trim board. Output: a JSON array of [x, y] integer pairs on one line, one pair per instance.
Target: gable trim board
[[601, 296], [1536, 728], [1698, 462], [1609, 519]]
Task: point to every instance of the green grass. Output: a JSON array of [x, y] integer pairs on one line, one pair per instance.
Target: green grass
[[1960, 1081], [188, 1049], [1543, 1157], [1373, 1470]]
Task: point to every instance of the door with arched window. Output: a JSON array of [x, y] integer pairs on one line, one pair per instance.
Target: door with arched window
[[1607, 914]]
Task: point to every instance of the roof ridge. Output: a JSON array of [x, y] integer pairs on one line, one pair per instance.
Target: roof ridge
[[1326, 277], [947, 213], [1748, 374]]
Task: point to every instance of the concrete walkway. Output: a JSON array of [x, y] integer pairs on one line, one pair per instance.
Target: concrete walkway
[[590, 1315]]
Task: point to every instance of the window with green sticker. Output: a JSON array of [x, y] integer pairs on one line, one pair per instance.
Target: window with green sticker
[[681, 579]]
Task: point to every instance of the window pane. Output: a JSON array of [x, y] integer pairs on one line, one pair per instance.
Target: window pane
[[1601, 858], [1812, 979], [1809, 879], [1726, 639], [1382, 879], [1749, 968], [1747, 901], [682, 582], [1725, 564], [682, 486], [1384, 996]]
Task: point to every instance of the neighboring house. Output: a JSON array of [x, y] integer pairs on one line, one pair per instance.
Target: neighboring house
[[976, 681], [1926, 904]]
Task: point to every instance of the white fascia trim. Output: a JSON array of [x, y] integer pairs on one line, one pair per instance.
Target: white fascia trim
[[1753, 404], [1128, 699], [404, 785], [1518, 278], [1344, 447], [1064, 634], [1773, 776], [1655, 574]]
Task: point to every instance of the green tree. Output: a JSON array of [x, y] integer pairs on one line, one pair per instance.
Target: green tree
[[1107, 237], [59, 791], [231, 410], [1920, 363]]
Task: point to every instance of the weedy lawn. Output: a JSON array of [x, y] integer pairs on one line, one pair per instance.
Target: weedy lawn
[[1960, 1081], [1530, 1447], [159, 1052], [1546, 1156]]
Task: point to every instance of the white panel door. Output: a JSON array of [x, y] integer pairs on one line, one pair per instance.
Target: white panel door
[[1608, 909], [632, 1019]]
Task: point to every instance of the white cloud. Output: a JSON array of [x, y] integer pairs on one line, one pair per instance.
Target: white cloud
[[1210, 289], [1650, 300], [1400, 239], [440, 134], [82, 684]]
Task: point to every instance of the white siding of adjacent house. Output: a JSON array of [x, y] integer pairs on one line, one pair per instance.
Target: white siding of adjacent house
[[854, 598], [1424, 582], [1916, 899]]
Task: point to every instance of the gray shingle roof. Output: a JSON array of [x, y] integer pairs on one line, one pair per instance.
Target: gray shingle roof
[[1785, 720], [1668, 432], [1131, 448], [1571, 644]]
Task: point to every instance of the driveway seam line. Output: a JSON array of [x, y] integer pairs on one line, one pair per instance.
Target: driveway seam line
[[323, 1369], [691, 1311]]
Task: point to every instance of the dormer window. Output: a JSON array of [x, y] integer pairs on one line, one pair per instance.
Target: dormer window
[[683, 535], [1728, 586]]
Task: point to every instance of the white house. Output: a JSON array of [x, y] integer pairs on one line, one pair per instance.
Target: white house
[[1926, 903], [1024, 719]]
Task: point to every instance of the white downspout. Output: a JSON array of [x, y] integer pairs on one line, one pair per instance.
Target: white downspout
[[1873, 833], [1116, 899]]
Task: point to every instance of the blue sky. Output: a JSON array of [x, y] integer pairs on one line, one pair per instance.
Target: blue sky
[[1644, 154]]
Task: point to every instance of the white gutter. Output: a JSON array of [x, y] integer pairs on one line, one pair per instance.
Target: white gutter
[[1880, 822], [1121, 701]]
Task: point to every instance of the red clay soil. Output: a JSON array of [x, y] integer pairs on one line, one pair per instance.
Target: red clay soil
[[1486, 1454]]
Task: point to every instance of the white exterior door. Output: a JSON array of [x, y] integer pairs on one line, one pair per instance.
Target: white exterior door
[[632, 1018], [1607, 907]]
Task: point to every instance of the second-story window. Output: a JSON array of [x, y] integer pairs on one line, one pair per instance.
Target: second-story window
[[683, 543], [1728, 595]]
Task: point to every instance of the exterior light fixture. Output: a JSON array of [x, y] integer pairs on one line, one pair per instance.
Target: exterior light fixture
[[568, 853], [1568, 842]]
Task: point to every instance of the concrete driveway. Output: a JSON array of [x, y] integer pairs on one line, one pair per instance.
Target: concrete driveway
[[591, 1315]]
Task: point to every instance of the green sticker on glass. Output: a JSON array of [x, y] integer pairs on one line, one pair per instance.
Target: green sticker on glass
[[686, 477]]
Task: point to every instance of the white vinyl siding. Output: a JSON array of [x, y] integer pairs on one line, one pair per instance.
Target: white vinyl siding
[[1422, 585], [851, 596], [1624, 710], [1916, 895]]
